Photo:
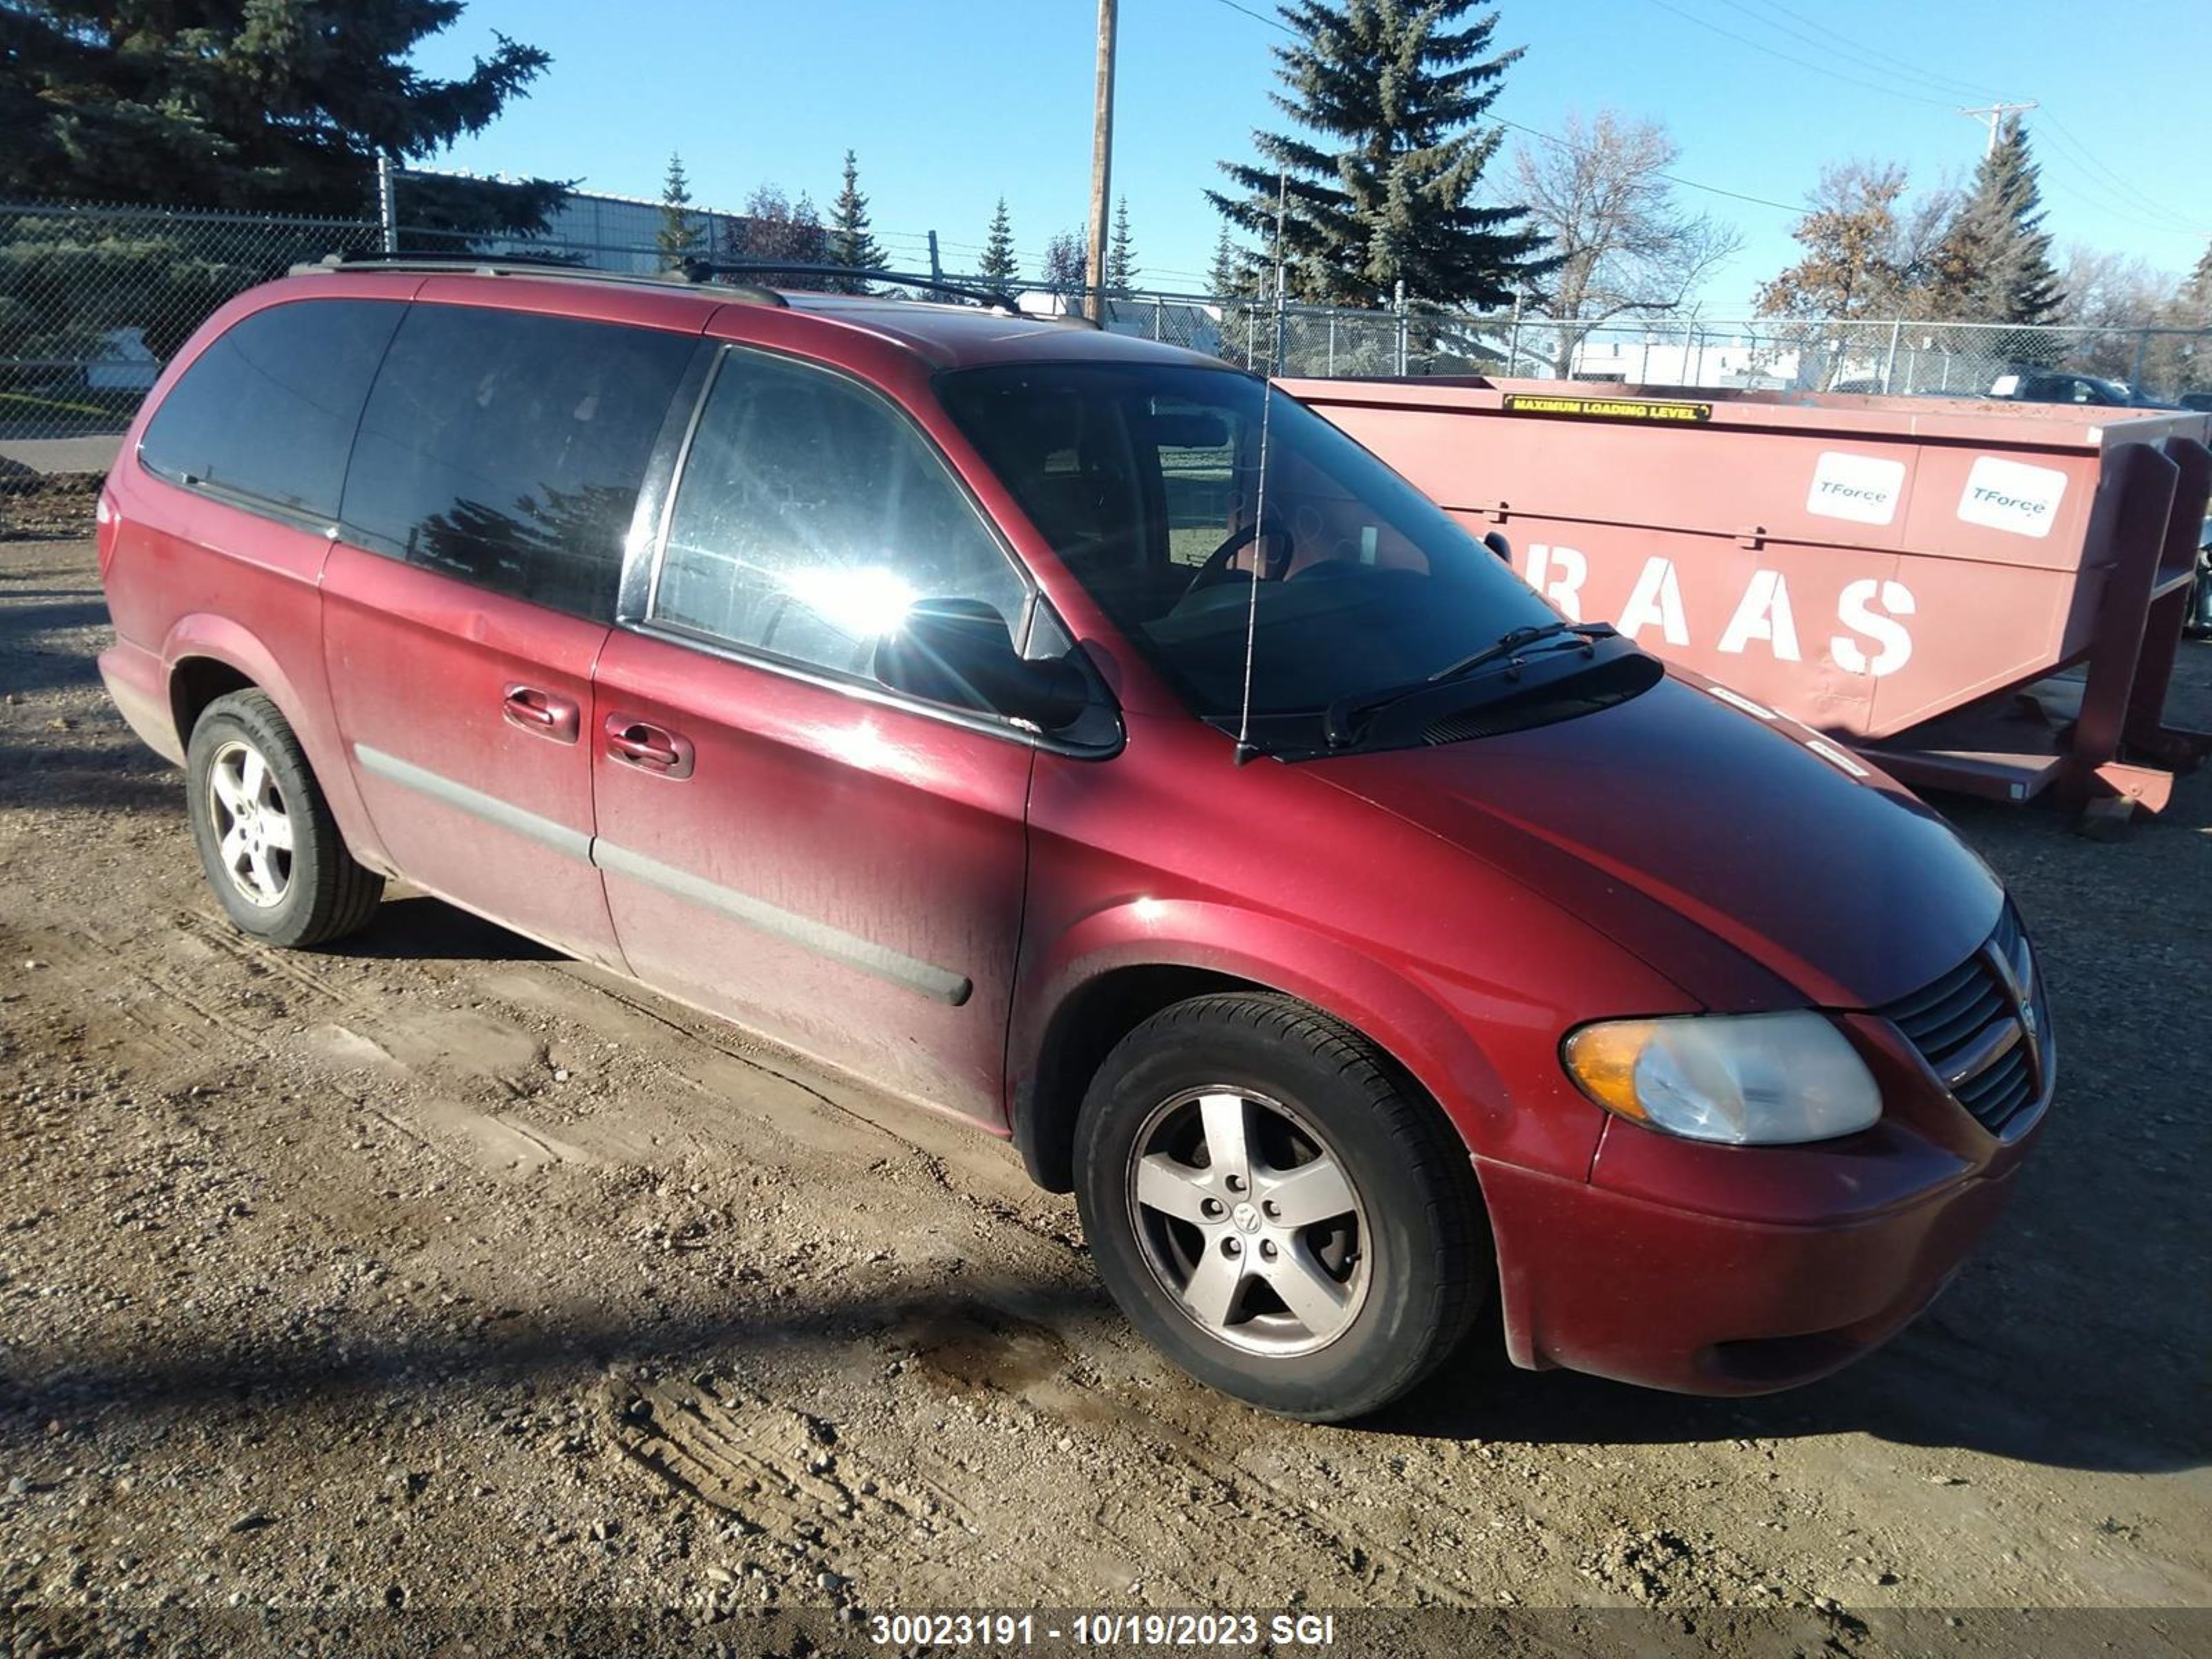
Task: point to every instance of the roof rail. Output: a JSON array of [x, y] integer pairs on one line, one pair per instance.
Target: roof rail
[[704, 270], [533, 265]]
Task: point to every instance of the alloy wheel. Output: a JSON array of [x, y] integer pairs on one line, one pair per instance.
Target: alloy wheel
[[252, 826], [1249, 1220]]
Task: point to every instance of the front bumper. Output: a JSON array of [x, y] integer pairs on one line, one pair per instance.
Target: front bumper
[[1642, 1292]]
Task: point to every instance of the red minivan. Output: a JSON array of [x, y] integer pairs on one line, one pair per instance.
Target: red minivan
[[1069, 734]]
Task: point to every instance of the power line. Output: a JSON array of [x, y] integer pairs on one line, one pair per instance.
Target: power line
[[1872, 57], [1258, 17], [2146, 208], [1801, 63], [2116, 210], [2141, 200], [1672, 179], [2138, 205], [1551, 139]]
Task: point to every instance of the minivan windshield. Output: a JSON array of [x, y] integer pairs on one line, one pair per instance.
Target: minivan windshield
[[1144, 479]]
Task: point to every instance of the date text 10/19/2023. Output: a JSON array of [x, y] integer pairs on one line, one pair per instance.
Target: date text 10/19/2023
[[1221, 1631]]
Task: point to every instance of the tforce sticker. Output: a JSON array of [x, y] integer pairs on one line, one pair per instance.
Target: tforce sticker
[[2012, 496], [1863, 489]]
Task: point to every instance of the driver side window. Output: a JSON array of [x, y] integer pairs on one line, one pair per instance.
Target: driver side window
[[811, 515]]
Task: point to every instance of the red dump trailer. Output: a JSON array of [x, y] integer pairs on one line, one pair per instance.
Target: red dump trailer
[[1914, 576]]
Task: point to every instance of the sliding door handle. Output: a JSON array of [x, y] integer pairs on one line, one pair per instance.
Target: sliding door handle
[[541, 714], [648, 747]]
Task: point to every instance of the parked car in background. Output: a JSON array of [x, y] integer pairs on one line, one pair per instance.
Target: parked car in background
[[2199, 401], [1366, 946], [2059, 386]]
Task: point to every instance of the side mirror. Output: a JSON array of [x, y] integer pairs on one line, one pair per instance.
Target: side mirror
[[959, 652], [1496, 542]]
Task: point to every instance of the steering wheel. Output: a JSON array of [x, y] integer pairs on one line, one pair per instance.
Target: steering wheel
[[1216, 569]]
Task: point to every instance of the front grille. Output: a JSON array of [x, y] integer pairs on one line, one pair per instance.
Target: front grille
[[1958, 1020]]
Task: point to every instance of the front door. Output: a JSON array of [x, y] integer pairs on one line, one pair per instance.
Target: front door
[[486, 508], [783, 840]]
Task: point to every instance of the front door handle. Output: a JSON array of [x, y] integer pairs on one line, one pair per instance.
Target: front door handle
[[541, 712], [648, 747]]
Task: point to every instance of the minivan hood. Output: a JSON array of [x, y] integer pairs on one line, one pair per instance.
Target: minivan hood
[[1848, 889]]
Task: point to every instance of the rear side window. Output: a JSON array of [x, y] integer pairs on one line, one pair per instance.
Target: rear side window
[[506, 448], [268, 411]]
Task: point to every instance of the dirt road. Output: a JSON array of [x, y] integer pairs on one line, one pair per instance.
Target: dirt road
[[435, 1271]]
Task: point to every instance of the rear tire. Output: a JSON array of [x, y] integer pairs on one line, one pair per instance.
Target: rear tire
[[1277, 1209], [271, 850]]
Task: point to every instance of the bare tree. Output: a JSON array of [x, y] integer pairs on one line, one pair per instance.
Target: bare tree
[[776, 228], [1625, 247], [2105, 289], [2117, 296], [1067, 259]]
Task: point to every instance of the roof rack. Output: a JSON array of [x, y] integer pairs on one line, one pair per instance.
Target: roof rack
[[706, 270], [691, 273], [534, 265]]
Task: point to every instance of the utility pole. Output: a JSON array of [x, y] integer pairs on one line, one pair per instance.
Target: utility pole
[[387, 203], [1102, 163], [1992, 117]]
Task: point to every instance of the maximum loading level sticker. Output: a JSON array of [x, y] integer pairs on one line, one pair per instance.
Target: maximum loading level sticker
[[2012, 496], [1608, 409]]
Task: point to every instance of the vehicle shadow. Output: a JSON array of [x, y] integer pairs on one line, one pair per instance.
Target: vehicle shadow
[[1911, 1395], [31, 658], [413, 927], [269, 1371], [1926, 1389], [70, 771]]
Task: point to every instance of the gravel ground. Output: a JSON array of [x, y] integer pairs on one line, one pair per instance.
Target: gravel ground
[[435, 1273]]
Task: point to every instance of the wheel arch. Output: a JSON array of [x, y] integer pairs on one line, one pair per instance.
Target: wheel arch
[[209, 657], [196, 681], [1083, 1030], [1094, 997]]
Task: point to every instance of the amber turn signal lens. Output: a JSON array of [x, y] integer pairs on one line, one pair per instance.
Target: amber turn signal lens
[[1603, 1060]]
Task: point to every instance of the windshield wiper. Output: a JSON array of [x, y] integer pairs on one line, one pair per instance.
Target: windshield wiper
[[1341, 725], [1512, 640]]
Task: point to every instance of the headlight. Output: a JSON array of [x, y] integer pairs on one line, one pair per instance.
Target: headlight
[[1746, 1080]]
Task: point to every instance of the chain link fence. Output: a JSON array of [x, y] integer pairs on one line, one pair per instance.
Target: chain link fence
[[1889, 357], [94, 300]]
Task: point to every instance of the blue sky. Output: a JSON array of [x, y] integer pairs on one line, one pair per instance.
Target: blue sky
[[950, 106]]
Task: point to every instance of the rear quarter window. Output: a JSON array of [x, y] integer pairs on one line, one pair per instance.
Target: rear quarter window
[[268, 410], [506, 448]]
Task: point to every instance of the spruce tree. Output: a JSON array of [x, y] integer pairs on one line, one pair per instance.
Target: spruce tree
[[850, 242], [1122, 252], [998, 267], [1993, 265], [680, 238], [1388, 96], [1230, 272], [1229, 279], [269, 105]]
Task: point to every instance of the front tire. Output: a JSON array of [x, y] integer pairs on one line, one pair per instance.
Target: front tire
[[271, 850], [1277, 1209]]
